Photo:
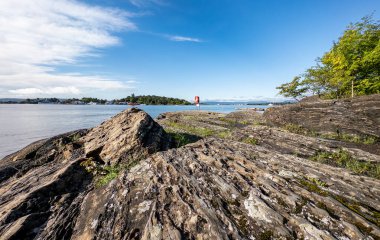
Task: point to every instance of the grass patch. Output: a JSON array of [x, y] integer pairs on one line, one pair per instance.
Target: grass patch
[[75, 137], [298, 129], [372, 215], [224, 134], [199, 131], [313, 187], [105, 173], [233, 123], [181, 139], [109, 173], [195, 131], [364, 139], [250, 140], [258, 123], [344, 159], [318, 182]]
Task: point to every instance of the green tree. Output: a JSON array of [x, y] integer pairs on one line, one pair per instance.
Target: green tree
[[293, 89], [351, 67], [133, 98]]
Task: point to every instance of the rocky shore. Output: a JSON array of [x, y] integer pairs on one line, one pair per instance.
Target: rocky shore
[[309, 170]]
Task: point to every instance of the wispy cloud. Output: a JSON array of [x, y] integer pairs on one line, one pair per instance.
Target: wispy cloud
[[49, 91], [147, 3], [38, 36], [184, 39]]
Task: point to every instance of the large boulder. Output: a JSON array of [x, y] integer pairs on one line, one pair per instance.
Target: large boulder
[[42, 186], [130, 135]]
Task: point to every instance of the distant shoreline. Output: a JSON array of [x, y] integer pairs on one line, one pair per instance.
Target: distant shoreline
[[126, 104]]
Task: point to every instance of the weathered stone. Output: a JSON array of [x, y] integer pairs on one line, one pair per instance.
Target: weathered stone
[[246, 179], [43, 186], [221, 189], [130, 134], [360, 115]]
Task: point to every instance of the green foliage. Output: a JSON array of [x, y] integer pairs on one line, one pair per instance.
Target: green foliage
[[199, 131], [181, 139], [111, 172], [251, 140], [364, 139], [105, 173], [367, 139], [94, 100], [90, 165], [318, 182], [298, 129], [311, 186], [234, 122], [75, 137], [351, 67], [153, 100], [224, 134], [293, 89], [344, 159]]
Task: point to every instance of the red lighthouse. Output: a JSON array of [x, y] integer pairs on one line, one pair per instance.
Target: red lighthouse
[[197, 101]]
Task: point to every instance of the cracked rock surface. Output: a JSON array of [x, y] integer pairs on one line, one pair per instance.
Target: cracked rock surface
[[43, 186], [230, 176]]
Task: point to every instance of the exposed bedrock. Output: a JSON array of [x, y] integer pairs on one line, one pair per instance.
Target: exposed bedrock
[[207, 176], [42, 187], [359, 115]]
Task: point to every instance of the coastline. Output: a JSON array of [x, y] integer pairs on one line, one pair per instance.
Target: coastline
[[276, 171]]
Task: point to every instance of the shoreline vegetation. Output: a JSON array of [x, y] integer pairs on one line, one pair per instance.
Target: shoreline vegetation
[[130, 100], [350, 68]]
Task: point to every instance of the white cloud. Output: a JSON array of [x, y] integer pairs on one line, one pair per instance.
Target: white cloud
[[49, 91], [146, 3], [38, 36], [26, 91], [184, 39]]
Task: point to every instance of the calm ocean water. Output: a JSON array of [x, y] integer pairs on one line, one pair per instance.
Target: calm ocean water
[[21, 125]]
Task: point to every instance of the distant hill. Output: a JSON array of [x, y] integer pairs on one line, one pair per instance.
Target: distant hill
[[153, 100], [148, 100]]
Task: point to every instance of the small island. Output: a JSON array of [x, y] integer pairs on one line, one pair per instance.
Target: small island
[[129, 100]]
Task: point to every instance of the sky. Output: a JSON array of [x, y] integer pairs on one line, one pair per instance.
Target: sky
[[215, 49]]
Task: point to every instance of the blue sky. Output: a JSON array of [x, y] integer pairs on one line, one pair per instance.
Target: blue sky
[[217, 49]]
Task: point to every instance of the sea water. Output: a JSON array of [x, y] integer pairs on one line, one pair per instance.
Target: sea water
[[22, 124]]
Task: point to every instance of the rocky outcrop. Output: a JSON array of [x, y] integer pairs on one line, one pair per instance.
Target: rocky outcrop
[[359, 115], [129, 135], [43, 186], [221, 189], [229, 176]]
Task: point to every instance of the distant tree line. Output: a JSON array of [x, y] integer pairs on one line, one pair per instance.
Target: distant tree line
[[84, 100], [153, 100], [351, 67], [148, 100]]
